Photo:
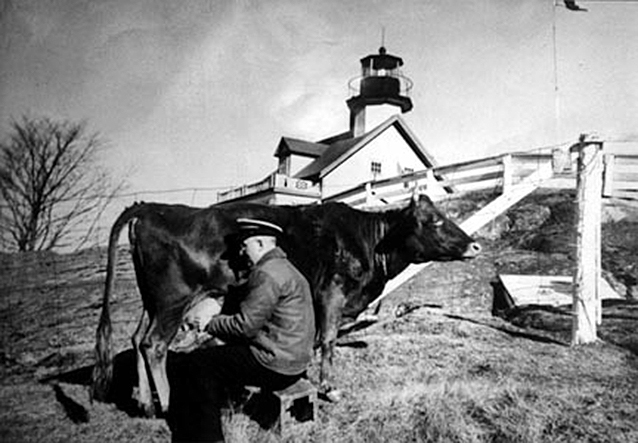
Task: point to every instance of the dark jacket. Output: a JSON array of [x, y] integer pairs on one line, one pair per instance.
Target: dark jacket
[[276, 316]]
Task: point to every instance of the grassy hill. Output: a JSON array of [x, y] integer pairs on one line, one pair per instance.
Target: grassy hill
[[422, 373]]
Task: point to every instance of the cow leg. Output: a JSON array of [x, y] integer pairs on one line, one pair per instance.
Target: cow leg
[[162, 330], [155, 350], [142, 394], [333, 303]]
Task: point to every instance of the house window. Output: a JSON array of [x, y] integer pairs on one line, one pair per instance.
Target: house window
[[284, 165], [375, 168]]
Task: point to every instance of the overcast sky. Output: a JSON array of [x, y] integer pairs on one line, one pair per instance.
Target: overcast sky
[[198, 93]]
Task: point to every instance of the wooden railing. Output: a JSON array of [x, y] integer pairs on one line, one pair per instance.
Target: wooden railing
[[274, 181], [499, 173], [620, 177]]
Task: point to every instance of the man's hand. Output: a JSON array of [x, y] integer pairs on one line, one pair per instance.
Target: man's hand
[[198, 323], [200, 315]]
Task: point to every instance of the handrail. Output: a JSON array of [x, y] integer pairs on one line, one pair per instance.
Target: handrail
[[274, 181], [492, 172], [428, 177]]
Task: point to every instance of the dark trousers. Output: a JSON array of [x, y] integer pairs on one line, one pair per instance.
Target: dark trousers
[[199, 382]]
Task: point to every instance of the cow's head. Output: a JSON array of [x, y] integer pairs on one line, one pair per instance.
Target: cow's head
[[422, 233]]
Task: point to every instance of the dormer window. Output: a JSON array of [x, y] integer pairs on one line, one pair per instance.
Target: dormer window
[[284, 165]]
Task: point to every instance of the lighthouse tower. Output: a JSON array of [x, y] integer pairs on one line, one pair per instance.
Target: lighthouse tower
[[381, 89]]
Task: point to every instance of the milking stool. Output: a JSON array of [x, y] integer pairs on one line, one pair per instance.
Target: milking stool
[[297, 404], [285, 409]]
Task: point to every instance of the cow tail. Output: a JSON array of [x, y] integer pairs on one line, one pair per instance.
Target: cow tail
[[103, 369]]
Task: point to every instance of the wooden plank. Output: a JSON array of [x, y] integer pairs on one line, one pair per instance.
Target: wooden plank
[[525, 290], [350, 193], [473, 179], [531, 156], [536, 179], [625, 194], [406, 193], [468, 166], [608, 174], [482, 182], [474, 223], [405, 275], [508, 173], [630, 177], [627, 159], [427, 175], [625, 176], [499, 205], [586, 305], [356, 203]]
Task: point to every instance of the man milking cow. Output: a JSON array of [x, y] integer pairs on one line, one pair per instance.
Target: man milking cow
[[268, 341], [347, 255]]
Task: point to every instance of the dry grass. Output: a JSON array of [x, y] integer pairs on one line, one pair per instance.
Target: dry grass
[[454, 374]]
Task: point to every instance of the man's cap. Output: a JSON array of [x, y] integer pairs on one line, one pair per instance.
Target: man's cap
[[250, 227]]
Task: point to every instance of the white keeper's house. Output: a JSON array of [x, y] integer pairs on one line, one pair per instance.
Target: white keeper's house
[[378, 145]]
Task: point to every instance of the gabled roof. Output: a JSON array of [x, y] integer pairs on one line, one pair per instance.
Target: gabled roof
[[344, 148], [289, 145], [335, 138], [330, 156]]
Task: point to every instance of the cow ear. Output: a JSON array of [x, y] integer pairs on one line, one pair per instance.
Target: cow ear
[[418, 195]]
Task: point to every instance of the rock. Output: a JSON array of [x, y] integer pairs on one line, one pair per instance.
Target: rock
[[529, 217], [495, 229]]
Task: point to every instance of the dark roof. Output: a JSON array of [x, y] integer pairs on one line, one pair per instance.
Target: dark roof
[[289, 145], [343, 148], [330, 155], [335, 138]]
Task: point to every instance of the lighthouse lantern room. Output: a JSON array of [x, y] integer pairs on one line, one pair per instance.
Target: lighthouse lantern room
[[380, 83]]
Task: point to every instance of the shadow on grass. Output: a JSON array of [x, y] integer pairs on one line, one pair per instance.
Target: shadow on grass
[[619, 318], [73, 410], [120, 394], [537, 337]]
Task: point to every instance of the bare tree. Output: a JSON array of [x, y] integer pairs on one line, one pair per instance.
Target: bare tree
[[51, 184]]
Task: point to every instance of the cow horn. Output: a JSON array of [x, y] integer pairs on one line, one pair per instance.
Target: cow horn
[[417, 192]]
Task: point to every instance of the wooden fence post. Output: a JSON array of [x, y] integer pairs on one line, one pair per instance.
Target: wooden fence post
[[586, 304], [608, 183], [430, 180], [507, 173], [561, 160], [369, 196]]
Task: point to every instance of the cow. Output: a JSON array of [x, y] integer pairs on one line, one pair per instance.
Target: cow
[[346, 254]]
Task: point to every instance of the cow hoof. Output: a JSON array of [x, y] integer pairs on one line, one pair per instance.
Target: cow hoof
[[145, 409]]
